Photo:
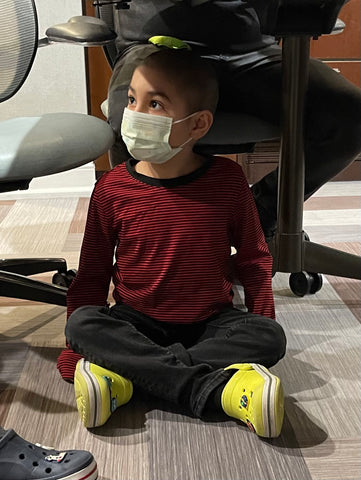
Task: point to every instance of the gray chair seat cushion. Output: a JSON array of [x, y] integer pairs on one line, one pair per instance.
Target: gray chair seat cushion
[[37, 146]]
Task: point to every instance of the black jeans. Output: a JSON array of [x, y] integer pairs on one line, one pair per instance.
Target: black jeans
[[332, 116], [180, 363]]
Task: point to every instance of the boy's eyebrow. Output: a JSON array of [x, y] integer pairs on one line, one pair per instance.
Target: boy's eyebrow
[[153, 93]]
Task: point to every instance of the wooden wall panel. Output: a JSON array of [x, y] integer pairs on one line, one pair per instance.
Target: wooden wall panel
[[98, 77], [346, 44]]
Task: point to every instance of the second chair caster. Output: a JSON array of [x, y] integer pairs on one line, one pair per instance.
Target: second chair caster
[[64, 279], [305, 283]]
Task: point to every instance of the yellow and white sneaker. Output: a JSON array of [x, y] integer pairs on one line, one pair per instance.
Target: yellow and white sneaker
[[99, 392], [255, 396]]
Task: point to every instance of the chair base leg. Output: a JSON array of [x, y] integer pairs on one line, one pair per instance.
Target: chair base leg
[[18, 286], [319, 258], [298, 254], [32, 266]]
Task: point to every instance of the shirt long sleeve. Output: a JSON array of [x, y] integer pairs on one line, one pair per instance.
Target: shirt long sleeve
[[253, 260], [91, 284]]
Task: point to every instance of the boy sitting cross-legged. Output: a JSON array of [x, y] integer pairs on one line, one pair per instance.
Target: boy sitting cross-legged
[[170, 217]]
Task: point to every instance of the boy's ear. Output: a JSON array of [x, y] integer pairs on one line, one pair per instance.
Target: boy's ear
[[202, 123]]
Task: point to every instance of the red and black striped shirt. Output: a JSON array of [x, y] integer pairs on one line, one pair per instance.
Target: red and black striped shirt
[[166, 244]]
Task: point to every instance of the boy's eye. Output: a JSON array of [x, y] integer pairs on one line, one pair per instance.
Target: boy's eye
[[155, 104]]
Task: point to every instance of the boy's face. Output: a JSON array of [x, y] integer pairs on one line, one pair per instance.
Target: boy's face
[[150, 92]]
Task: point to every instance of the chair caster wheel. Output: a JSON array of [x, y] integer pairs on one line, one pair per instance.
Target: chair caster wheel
[[305, 283], [64, 279]]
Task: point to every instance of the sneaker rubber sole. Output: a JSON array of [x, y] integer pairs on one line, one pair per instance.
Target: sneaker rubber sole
[[255, 396], [94, 394], [272, 402], [88, 396]]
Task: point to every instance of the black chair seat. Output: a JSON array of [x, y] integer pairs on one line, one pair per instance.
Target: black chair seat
[[236, 133]]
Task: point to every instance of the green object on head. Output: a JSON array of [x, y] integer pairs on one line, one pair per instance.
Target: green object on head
[[169, 42]]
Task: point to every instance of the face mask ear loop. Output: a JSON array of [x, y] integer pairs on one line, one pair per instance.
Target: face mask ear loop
[[185, 143], [185, 118], [182, 120]]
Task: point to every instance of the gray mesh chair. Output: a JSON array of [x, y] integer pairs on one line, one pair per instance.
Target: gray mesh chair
[[37, 146], [295, 22]]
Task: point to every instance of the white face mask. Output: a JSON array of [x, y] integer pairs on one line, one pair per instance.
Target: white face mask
[[147, 136]]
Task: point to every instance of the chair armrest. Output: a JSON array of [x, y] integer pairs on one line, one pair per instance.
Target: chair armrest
[[339, 27], [82, 30], [301, 17]]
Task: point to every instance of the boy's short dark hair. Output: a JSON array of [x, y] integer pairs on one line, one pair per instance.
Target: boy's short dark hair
[[195, 77]]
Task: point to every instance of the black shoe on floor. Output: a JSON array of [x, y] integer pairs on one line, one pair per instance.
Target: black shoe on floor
[[22, 460]]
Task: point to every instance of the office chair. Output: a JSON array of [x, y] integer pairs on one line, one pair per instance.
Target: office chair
[[294, 22], [37, 146]]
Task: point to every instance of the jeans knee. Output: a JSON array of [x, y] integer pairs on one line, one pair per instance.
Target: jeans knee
[[71, 327], [279, 342], [78, 323]]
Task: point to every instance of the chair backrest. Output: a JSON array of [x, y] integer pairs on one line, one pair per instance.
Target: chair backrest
[[106, 13], [52, 143], [18, 44]]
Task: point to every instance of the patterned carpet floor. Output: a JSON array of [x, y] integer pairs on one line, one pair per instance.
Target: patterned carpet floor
[[150, 440]]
